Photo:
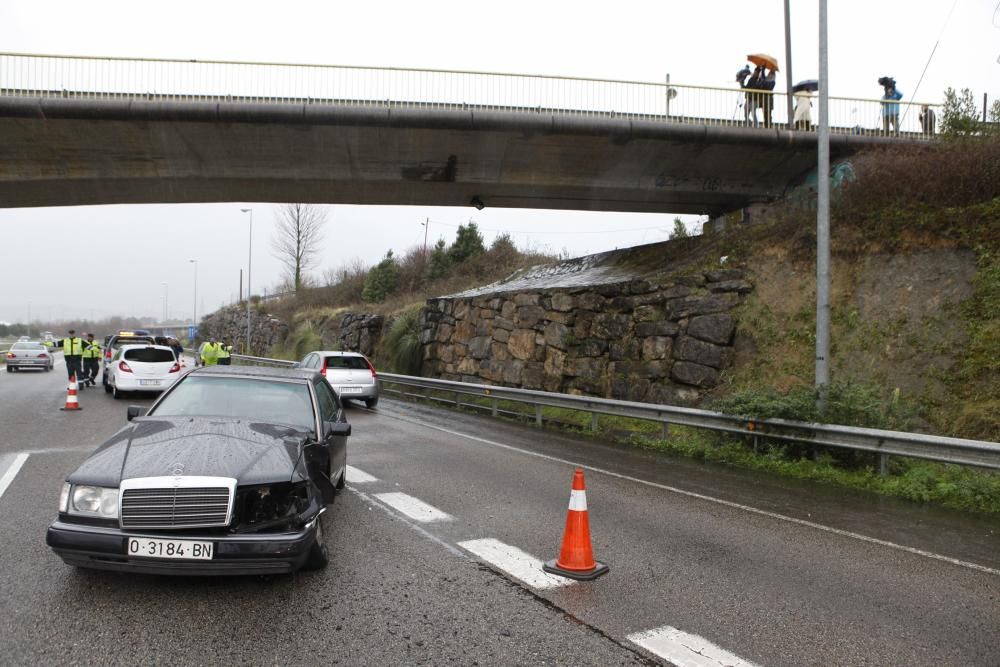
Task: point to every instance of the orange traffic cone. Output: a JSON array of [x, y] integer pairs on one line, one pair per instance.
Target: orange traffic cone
[[71, 401], [576, 559]]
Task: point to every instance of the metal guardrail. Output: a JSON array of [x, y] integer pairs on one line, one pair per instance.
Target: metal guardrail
[[55, 76], [885, 443]]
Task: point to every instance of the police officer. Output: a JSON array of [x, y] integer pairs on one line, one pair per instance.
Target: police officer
[[72, 347], [225, 354], [91, 359], [210, 353]]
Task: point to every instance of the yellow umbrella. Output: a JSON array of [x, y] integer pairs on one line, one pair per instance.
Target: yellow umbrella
[[764, 60]]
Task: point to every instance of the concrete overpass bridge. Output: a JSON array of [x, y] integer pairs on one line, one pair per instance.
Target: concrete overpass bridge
[[110, 131]]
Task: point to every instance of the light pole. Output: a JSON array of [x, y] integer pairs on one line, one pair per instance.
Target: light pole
[[249, 265], [194, 326], [165, 292]]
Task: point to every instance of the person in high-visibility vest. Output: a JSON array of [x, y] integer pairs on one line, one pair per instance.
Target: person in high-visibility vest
[[72, 347], [91, 359], [210, 353], [225, 354]]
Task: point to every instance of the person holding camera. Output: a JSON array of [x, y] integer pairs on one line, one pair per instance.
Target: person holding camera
[[890, 104]]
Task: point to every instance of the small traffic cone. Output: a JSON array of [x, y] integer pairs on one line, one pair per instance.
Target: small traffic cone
[[71, 401], [576, 559]]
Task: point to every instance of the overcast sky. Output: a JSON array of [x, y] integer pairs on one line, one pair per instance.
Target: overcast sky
[[104, 260]]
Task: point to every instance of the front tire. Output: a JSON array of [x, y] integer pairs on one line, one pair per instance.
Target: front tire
[[319, 554]]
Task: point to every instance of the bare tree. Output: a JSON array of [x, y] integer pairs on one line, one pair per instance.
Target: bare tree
[[296, 239]]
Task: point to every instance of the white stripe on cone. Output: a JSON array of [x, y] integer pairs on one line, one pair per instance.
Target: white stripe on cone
[[578, 501]]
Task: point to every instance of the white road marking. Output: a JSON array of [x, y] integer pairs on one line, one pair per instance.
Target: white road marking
[[415, 526], [518, 564], [686, 650], [412, 507], [358, 476], [711, 499], [12, 470]]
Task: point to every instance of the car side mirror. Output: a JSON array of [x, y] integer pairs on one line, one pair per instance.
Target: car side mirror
[[337, 428], [136, 411]]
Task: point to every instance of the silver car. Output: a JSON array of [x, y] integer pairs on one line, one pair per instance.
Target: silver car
[[29, 355], [349, 373]]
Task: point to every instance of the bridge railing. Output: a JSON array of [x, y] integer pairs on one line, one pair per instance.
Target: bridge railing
[[878, 441], [40, 75]]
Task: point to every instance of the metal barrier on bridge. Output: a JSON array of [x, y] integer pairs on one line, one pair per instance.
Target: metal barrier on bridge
[[83, 77]]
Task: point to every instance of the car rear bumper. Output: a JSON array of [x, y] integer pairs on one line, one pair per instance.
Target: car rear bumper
[[125, 383], [358, 391], [104, 548]]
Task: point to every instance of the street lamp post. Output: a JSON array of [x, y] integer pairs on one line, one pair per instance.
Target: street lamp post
[[194, 327], [165, 293], [249, 265]]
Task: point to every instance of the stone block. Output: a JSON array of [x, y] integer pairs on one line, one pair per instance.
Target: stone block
[[656, 347], [428, 335], [522, 344], [611, 290], [671, 394], [700, 305], [512, 371], [698, 351], [487, 313], [647, 314], [591, 347], [738, 286], [507, 310], [500, 352], [589, 368], [467, 366], [528, 316], [479, 347], [531, 376], [556, 316], [555, 362], [590, 301], [619, 350], [504, 323], [622, 304], [556, 335], [444, 333], [661, 328], [461, 309], [640, 287], [693, 280], [501, 335], [610, 326], [464, 331], [563, 302], [717, 328], [484, 327], [691, 373], [526, 299]]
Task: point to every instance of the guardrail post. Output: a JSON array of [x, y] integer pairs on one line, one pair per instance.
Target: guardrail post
[[538, 414], [495, 408], [883, 464], [458, 400], [593, 421], [664, 430]]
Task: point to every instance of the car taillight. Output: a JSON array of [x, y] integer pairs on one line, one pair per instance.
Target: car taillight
[[122, 366], [175, 368], [43, 356], [324, 368], [107, 354], [372, 369], [11, 355]]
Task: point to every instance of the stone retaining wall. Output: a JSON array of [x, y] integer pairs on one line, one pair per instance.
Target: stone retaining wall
[[638, 340]]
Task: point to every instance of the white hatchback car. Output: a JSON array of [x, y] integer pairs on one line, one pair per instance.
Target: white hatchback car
[[349, 373], [142, 368]]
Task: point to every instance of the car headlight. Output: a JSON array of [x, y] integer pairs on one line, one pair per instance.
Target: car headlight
[[94, 501]]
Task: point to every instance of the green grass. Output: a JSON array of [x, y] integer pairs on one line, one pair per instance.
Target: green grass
[[956, 487]]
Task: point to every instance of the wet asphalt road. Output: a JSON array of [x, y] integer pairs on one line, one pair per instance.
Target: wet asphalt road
[[775, 572]]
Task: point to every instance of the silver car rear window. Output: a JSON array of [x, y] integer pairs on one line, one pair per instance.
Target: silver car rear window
[[27, 346], [353, 363]]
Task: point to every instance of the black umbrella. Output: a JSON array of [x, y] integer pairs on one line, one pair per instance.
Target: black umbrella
[[810, 85]]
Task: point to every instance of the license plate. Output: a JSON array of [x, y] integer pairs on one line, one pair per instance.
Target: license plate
[[179, 549], [154, 383], [350, 390]]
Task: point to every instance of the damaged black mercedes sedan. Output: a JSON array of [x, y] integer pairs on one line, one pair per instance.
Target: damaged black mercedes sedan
[[229, 472]]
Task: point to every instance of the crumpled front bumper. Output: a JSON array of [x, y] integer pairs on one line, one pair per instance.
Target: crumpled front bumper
[[104, 548]]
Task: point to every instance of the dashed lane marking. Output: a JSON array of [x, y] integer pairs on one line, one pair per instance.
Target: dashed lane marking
[[686, 650], [711, 499], [358, 476], [412, 507], [518, 564], [13, 466]]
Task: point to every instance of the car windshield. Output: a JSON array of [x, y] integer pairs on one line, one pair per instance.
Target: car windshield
[[242, 398], [27, 346], [131, 340], [354, 363], [149, 355]]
